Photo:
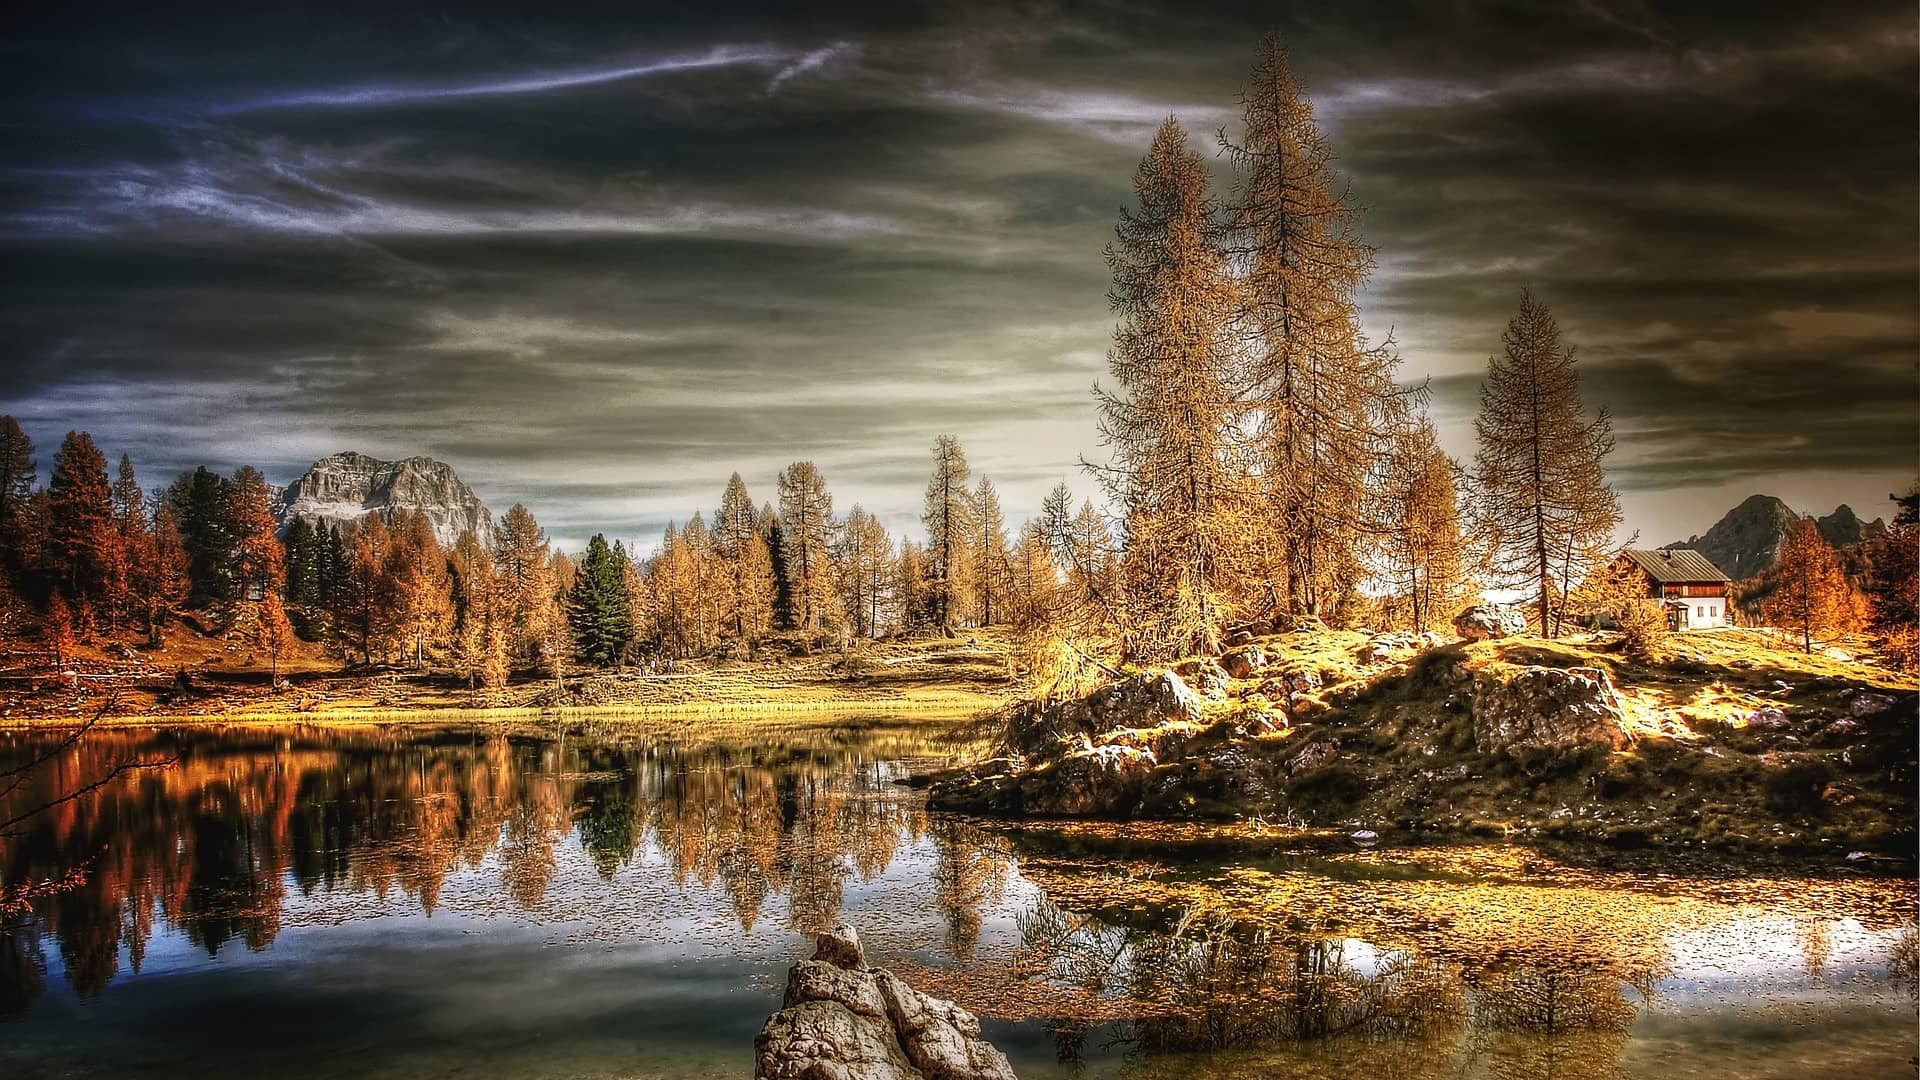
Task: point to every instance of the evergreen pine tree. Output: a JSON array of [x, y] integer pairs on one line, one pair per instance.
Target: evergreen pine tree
[[597, 606], [80, 536], [199, 503], [17, 472]]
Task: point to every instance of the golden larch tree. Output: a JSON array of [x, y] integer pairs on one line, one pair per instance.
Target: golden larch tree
[[1319, 395], [1811, 595], [1424, 566], [948, 516], [1542, 493], [1167, 419], [806, 532]]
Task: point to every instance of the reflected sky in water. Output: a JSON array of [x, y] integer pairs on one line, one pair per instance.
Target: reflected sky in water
[[625, 900]]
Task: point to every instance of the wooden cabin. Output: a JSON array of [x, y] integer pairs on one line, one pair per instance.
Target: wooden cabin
[[1688, 586]]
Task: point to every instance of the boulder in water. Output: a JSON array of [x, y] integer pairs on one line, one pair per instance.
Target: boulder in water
[[841, 1020]]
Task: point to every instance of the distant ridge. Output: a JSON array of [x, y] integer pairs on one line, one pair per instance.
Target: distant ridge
[[347, 486], [1746, 541]]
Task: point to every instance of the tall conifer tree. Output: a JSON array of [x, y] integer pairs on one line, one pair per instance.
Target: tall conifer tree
[[1319, 395], [597, 607], [806, 531], [1168, 421], [1542, 494], [80, 536], [17, 472], [949, 520], [993, 567]]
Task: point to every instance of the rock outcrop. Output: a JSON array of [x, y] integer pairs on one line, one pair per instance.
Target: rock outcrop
[[1142, 701], [346, 487], [842, 1020], [1402, 736], [1483, 622], [1088, 756], [1547, 707]]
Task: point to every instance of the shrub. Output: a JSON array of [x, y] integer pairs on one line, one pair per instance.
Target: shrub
[[1643, 631]]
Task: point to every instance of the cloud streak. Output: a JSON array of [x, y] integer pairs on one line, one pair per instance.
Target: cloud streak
[[376, 95]]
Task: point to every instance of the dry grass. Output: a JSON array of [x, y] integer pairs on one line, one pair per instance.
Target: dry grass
[[933, 677]]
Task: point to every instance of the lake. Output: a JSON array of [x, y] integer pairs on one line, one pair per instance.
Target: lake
[[623, 899]]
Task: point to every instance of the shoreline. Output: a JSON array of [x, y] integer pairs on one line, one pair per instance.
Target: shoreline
[[967, 707]]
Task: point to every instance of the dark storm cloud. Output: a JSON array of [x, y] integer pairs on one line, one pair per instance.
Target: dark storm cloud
[[601, 261]]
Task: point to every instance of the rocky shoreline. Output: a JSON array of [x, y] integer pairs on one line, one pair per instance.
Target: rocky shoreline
[[1500, 736]]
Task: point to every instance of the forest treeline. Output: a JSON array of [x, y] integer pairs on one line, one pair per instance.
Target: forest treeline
[[1262, 463]]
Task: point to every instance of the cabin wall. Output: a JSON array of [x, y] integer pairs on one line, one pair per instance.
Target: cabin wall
[[1703, 611]]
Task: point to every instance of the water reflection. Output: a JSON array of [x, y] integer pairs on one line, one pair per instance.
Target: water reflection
[[1108, 950], [213, 844]]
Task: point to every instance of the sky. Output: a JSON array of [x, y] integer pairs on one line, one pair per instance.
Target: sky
[[599, 260]]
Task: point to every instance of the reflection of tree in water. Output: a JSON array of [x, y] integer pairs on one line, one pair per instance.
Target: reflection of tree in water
[[23, 969], [1212, 982], [1815, 937], [970, 871], [1535, 1023], [1219, 983], [211, 843], [1903, 962]]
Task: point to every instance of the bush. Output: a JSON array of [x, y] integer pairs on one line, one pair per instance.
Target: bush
[[1643, 632]]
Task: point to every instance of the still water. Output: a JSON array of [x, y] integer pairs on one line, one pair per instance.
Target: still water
[[623, 900]]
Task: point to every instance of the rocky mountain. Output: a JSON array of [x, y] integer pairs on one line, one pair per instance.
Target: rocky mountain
[[1747, 540], [347, 486], [1843, 527]]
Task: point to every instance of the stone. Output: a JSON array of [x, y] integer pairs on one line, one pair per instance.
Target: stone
[[1484, 622], [1237, 638], [940, 1038], [1244, 661], [1392, 647], [1767, 718], [1547, 707], [1869, 704], [1312, 756], [841, 1020], [840, 947], [1142, 701], [1205, 677], [1096, 780]]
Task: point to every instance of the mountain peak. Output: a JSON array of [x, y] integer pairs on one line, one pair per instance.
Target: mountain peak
[[1746, 541], [1843, 527], [345, 487]]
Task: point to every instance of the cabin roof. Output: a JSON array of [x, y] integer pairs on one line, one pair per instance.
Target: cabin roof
[[1676, 566]]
